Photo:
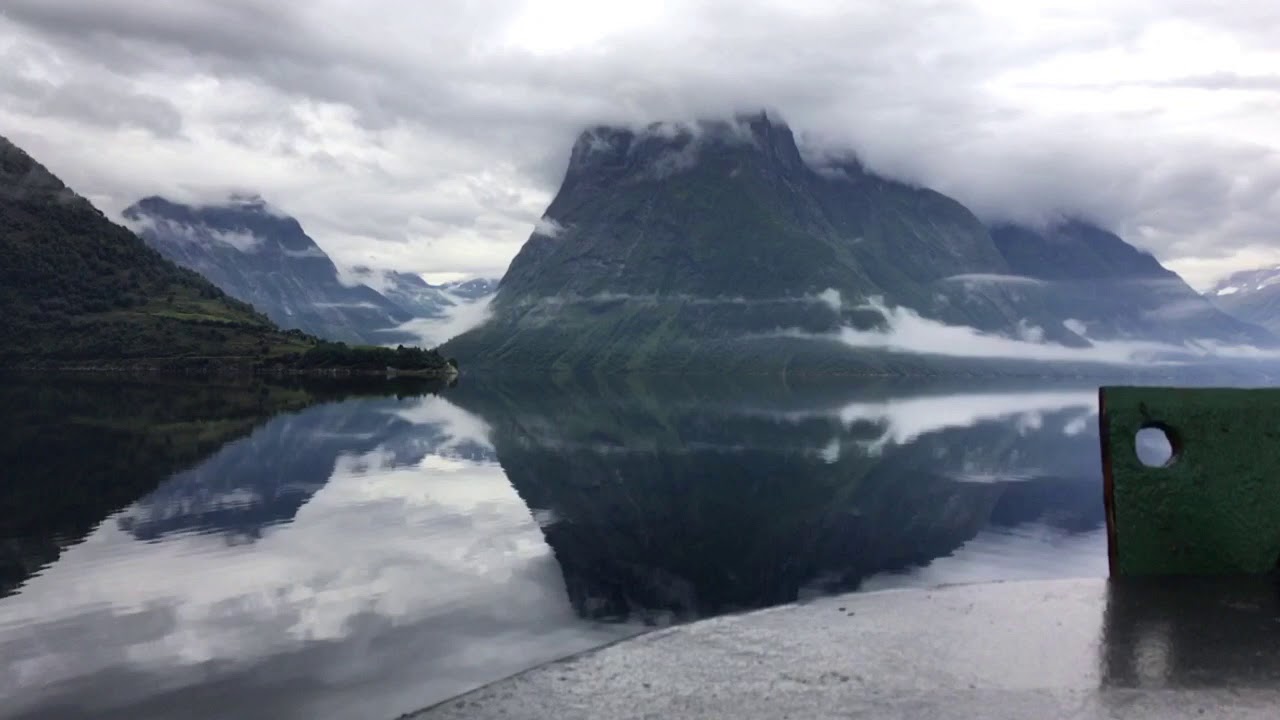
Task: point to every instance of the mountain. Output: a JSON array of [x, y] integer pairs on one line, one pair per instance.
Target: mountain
[[1109, 288], [263, 257], [411, 292], [77, 288], [79, 291], [473, 289], [716, 246], [1252, 296]]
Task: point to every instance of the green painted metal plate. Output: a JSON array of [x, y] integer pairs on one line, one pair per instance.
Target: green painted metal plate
[[1215, 506]]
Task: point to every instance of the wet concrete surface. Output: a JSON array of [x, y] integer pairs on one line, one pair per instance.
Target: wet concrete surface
[[1135, 649]]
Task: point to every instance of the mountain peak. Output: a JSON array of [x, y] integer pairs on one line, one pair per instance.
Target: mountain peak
[[237, 212], [1247, 281], [236, 202], [661, 149], [250, 202], [264, 257], [1251, 295]]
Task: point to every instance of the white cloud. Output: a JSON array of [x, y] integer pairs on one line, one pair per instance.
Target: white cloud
[[431, 137], [1029, 333], [366, 305], [906, 331], [314, 252], [241, 240], [993, 279], [906, 419], [547, 226], [458, 425], [1076, 327], [831, 297], [460, 317], [445, 552]]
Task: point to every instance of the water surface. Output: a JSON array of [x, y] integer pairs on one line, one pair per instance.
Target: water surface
[[210, 551]]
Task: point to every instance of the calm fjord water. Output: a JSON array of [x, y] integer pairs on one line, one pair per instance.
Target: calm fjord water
[[195, 551]]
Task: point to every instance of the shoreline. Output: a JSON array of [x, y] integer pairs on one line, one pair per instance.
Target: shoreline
[[204, 369]]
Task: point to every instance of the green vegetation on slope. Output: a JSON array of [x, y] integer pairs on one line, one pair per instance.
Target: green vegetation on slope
[[717, 248], [326, 355], [718, 253], [79, 290], [76, 287]]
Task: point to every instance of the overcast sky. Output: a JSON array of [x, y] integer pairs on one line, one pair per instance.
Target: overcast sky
[[429, 136]]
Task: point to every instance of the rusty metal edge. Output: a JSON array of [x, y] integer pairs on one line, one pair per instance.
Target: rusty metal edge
[[1108, 481]]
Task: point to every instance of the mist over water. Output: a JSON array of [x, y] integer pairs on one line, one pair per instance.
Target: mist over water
[[374, 555], [907, 331], [454, 321]]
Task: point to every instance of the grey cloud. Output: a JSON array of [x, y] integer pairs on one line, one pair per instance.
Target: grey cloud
[[107, 102], [232, 28], [113, 109], [413, 123]]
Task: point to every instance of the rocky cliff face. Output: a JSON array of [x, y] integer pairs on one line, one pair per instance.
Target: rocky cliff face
[[715, 245], [264, 258]]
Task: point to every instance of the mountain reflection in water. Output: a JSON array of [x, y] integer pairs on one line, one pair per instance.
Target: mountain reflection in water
[[371, 556]]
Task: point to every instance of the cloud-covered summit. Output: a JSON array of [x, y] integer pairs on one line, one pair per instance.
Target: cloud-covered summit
[[430, 137]]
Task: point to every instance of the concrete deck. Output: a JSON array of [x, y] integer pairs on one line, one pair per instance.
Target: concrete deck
[[1187, 648]]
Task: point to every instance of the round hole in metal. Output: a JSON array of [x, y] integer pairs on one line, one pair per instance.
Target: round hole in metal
[[1156, 446]]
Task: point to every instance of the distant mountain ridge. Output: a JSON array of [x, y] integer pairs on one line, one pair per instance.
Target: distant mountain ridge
[[414, 294], [1111, 288], [79, 292], [77, 289], [1251, 295], [264, 258], [715, 246], [472, 289]]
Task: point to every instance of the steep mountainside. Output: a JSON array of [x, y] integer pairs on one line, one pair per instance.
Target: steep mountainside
[[76, 288], [266, 259], [716, 246], [1252, 296], [1110, 288]]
